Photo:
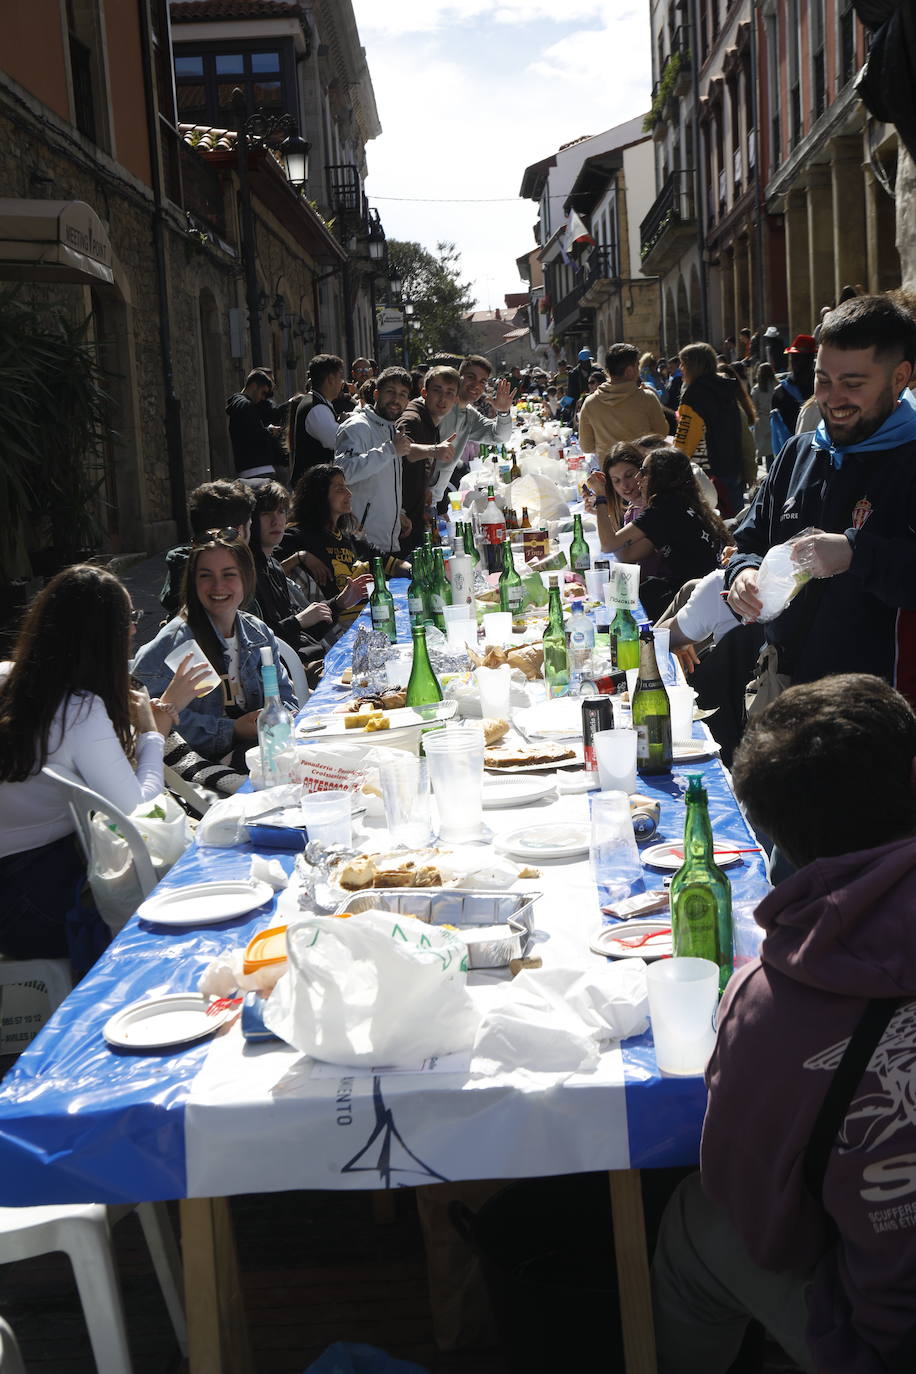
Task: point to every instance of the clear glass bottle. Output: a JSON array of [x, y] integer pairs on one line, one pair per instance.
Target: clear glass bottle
[[275, 724]]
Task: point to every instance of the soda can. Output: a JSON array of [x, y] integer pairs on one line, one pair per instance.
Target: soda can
[[597, 715], [611, 684]]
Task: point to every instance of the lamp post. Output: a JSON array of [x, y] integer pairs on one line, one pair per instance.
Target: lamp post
[[254, 132], [408, 315]]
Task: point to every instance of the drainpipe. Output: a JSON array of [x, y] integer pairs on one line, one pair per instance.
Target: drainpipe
[[173, 439], [758, 181], [698, 198]]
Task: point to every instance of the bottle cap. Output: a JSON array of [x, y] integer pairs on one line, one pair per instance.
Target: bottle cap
[[577, 607], [695, 786]]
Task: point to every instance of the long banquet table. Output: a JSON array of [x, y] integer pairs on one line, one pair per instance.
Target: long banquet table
[[82, 1122]]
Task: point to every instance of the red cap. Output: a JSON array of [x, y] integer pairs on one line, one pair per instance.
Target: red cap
[[803, 343]]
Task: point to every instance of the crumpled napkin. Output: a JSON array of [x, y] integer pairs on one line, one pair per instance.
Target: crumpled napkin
[[555, 1020], [269, 871]]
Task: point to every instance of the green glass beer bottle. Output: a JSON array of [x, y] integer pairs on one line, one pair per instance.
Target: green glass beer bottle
[[423, 688], [625, 640], [440, 590], [556, 657], [701, 896], [651, 711], [511, 590], [381, 604], [580, 558]]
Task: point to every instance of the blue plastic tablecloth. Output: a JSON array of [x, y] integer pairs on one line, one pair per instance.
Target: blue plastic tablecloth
[[82, 1122]]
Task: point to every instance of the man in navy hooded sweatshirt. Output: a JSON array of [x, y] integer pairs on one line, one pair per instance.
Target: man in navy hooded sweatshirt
[[824, 1258], [853, 483]]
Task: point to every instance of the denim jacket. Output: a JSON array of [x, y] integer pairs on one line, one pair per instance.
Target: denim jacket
[[204, 723]]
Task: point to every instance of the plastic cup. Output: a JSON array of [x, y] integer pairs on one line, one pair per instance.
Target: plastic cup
[[405, 792], [614, 856], [495, 685], [191, 646], [497, 627], [595, 583], [328, 817], [681, 699], [683, 996], [615, 751], [632, 679], [455, 757], [457, 623], [663, 656]]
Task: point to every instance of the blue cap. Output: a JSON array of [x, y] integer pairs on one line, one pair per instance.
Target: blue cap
[[576, 606], [585, 355]]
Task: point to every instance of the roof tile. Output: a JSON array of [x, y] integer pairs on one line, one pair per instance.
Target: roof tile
[[198, 11]]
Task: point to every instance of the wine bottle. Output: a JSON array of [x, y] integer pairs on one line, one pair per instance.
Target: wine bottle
[[440, 590], [580, 558], [651, 711], [511, 590], [556, 659], [423, 688], [701, 896], [381, 604]]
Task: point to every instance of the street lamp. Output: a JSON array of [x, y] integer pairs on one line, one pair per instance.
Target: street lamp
[[394, 283], [408, 316], [254, 132]]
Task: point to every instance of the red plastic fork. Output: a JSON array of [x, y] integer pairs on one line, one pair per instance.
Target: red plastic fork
[[643, 939], [221, 1004]]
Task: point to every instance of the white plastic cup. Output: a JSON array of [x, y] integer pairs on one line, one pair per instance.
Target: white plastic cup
[[328, 817], [457, 623], [405, 792], [191, 646], [683, 996], [621, 591], [615, 751], [595, 583], [681, 699], [497, 627], [663, 656], [614, 855], [632, 679], [455, 757], [495, 685]]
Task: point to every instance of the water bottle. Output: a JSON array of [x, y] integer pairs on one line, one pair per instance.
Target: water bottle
[[275, 725], [581, 638]]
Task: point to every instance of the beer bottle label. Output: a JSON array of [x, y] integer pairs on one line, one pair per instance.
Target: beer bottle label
[[494, 534], [437, 602], [642, 742], [381, 616], [414, 605]]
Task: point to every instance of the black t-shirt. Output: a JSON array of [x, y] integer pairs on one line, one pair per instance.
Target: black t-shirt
[[686, 546]]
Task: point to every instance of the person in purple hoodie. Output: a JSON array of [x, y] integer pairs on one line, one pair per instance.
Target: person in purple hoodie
[[803, 1215]]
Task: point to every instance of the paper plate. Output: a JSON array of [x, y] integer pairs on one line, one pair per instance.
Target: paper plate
[[555, 840], [623, 940], [692, 750], [155, 1023], [515, 791], [204, 904], [671, 856], [402, 720]]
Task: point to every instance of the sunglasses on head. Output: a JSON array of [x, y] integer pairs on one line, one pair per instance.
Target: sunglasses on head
[[227, 535]]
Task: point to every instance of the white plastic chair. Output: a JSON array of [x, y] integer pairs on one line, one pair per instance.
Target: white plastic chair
[[83, 803], [55, 976], [82, 1231], [10, 1358], [293, 665]]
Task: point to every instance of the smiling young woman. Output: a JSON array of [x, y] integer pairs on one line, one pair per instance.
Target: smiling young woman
[[219, 581]]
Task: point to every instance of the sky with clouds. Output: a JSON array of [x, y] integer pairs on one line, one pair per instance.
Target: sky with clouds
[[470, 93]]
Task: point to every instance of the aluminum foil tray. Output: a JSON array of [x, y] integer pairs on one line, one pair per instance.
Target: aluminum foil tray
[[464, 910]]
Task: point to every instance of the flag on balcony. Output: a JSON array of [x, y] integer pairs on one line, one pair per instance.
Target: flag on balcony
[[576, 232]]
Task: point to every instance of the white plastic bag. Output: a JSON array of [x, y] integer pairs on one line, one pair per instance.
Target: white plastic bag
[[375, 988], [779, 578], [115, 888]]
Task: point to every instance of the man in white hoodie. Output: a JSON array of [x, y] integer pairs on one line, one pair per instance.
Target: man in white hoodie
[[370, 449]]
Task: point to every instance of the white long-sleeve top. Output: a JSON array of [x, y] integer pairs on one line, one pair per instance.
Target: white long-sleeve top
[[82, 739]]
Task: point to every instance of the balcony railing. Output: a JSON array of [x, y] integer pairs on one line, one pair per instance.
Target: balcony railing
[[345, 191], [603, 264], [566, 305], [673, 206]]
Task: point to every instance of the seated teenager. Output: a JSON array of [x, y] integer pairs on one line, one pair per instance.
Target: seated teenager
[[65, 699], [211, 506], [321, 538], [219, 581], [303, 628], [808, 1227], [676, 523]]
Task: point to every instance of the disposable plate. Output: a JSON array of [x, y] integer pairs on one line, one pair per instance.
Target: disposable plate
[[515, 791], [634, 940], [401, 720], [155, 1023], [692, 750], [549, 764], [203, 904], [556, 840], [671, 856]]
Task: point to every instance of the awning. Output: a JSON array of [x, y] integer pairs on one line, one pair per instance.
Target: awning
[[53, 240]]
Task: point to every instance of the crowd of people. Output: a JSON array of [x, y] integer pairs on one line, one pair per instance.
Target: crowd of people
[[698, 467]]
